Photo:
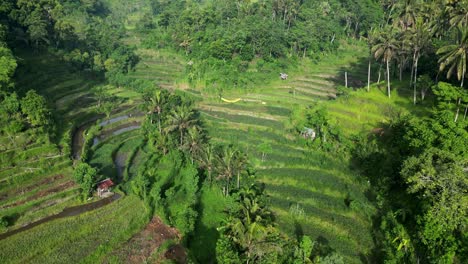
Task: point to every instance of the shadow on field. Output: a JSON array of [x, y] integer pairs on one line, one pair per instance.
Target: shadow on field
[[202, 243], [298, 230]]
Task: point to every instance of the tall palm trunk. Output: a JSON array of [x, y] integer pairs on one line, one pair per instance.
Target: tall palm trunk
[[181, 137], [388, 78], [412, 69], [238, 180], [380, 73], [466, 111], [415, 78], [368, 75], [159, 123], [458, 109], [463, 77], [401, 71], [227, 186]]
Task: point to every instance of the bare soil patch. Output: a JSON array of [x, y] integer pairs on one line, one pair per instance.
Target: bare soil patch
[[141, 246]]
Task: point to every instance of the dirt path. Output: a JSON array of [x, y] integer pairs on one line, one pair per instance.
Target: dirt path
[[140, 247]]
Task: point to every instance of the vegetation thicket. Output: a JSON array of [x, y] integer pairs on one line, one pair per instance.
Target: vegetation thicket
[[358, 156]]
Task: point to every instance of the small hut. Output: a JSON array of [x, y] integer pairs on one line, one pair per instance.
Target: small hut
[[283, 76], [308, 133], [103, 187]]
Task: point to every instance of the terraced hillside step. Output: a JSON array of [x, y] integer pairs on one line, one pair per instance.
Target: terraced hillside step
[[312, 80], [240, 112], [158, 65], [256, 106], [312, 92], [245, 119], [312, 87]]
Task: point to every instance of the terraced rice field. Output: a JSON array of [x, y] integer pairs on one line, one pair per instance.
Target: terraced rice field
[[35, 172], [311, 193]]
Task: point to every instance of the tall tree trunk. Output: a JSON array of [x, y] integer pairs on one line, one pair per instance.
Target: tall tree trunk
[[368, 75], [181, 137], [346, 79], [388, 79], [412, 68], [227, 186], [458, 109], [380, 72], [463, 78], [466, 110], [415, 78], [159, 123], [238, 180], [401, 71]]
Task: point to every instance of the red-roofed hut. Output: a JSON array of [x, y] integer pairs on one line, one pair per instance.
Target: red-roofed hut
[[103, 187]]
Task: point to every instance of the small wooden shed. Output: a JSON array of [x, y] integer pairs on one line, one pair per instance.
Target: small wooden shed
[[104, 187], [308, 133]]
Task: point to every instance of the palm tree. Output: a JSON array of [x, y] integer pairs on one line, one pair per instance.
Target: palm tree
[[156, 104], [406, 12], [206, 158], [403, 53], [371, 38], [251, 226], [194, 140], [181, 118], [420, 40], [161, 141], [458, 13], [386, 48], [226, 166], [240, 163], [455, 55]]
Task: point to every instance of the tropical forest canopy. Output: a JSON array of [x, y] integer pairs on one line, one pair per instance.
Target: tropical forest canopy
[[360, 157]]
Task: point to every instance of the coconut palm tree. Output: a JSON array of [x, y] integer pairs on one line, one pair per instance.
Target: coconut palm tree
[[385, 49], [251, 226], [458, 13], [226, 166], [371, 38], [240, 163], [405, 13], [420, 40], [161, 141], [194, 140], [156, 104], [454, 56], [403, 52], [207, 158], [181, 118]]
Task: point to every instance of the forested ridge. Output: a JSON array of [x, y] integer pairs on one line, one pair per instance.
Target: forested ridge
[[358, 156]]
